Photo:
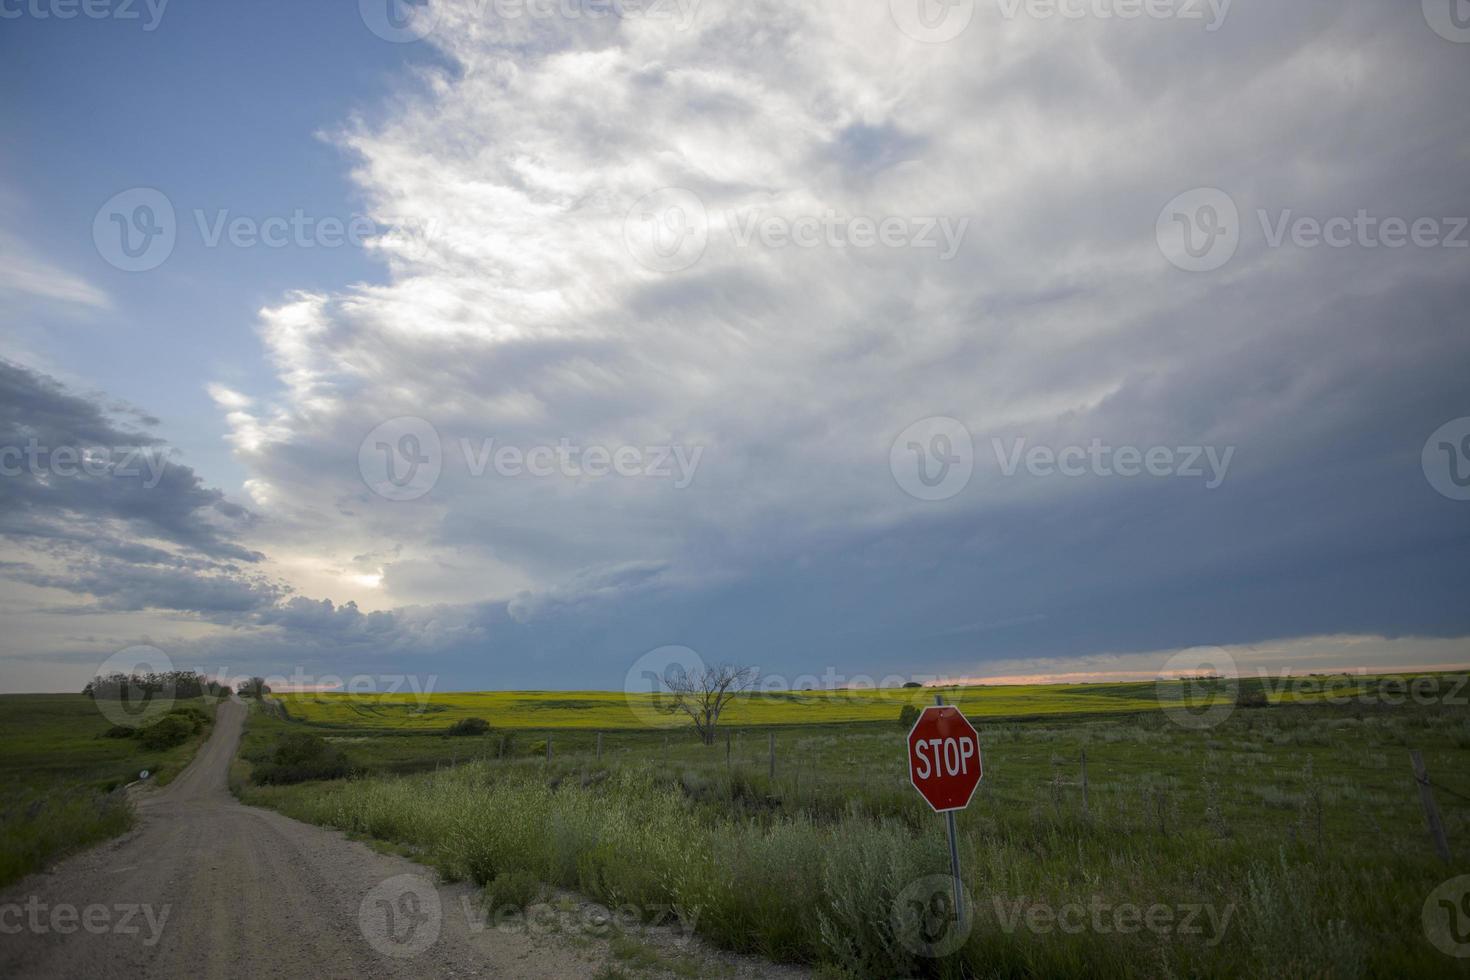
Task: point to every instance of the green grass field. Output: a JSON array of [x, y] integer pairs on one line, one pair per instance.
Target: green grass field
[[62, 776], [1293, 830]]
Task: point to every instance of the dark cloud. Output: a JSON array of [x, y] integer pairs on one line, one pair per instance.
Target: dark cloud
[[1059, 322], [71, 467], [128, 586], [344, 623], [104, 512]]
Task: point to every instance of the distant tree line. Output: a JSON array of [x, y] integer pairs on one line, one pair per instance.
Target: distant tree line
[[255, 687], [145, 686]]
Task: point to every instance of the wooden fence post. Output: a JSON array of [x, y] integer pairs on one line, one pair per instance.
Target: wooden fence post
[[773, 754], [599, 747], [1431, 811], [548, 748]]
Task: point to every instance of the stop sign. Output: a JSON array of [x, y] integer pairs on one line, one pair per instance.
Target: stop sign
[[944, 758]]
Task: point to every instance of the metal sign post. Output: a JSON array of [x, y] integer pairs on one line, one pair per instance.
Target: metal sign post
[[954, 851], [945, 767]]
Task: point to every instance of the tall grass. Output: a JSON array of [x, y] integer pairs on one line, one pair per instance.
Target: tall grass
[[60, 775], [809, 867], [36, 829]]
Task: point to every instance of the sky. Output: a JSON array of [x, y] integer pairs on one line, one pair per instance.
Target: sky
[[507, 344]]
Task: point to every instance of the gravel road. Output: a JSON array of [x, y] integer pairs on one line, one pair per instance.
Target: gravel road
[[206, 887]]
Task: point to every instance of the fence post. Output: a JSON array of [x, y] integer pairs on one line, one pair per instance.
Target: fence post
[[599, 747], [1431, 811], [772, 736], [1084, 781], [548, 747], [727, 750]]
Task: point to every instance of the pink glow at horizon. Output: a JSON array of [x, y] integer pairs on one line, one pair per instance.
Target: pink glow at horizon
[[1125, 676]]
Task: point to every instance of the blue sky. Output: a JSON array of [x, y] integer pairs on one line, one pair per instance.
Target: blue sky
[[221, 106], [827, 338]]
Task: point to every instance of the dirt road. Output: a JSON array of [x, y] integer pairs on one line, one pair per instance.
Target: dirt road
[[208, 888]]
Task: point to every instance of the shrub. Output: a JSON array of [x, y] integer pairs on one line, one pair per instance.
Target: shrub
[[469, 726], [295, 748], [907, 715], [192, 717], [301, 756], [1252, 699], [166, 732], [512, 890], [120, 731]]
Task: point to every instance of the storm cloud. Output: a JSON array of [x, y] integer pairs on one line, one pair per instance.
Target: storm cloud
[[519, 309]]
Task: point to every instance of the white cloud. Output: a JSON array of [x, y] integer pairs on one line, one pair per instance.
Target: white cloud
[[23, 274], [513, 309]]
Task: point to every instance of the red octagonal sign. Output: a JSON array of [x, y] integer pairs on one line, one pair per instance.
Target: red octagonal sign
[[944, 758]]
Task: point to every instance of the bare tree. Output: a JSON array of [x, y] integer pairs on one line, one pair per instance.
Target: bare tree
[[702, 694]]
